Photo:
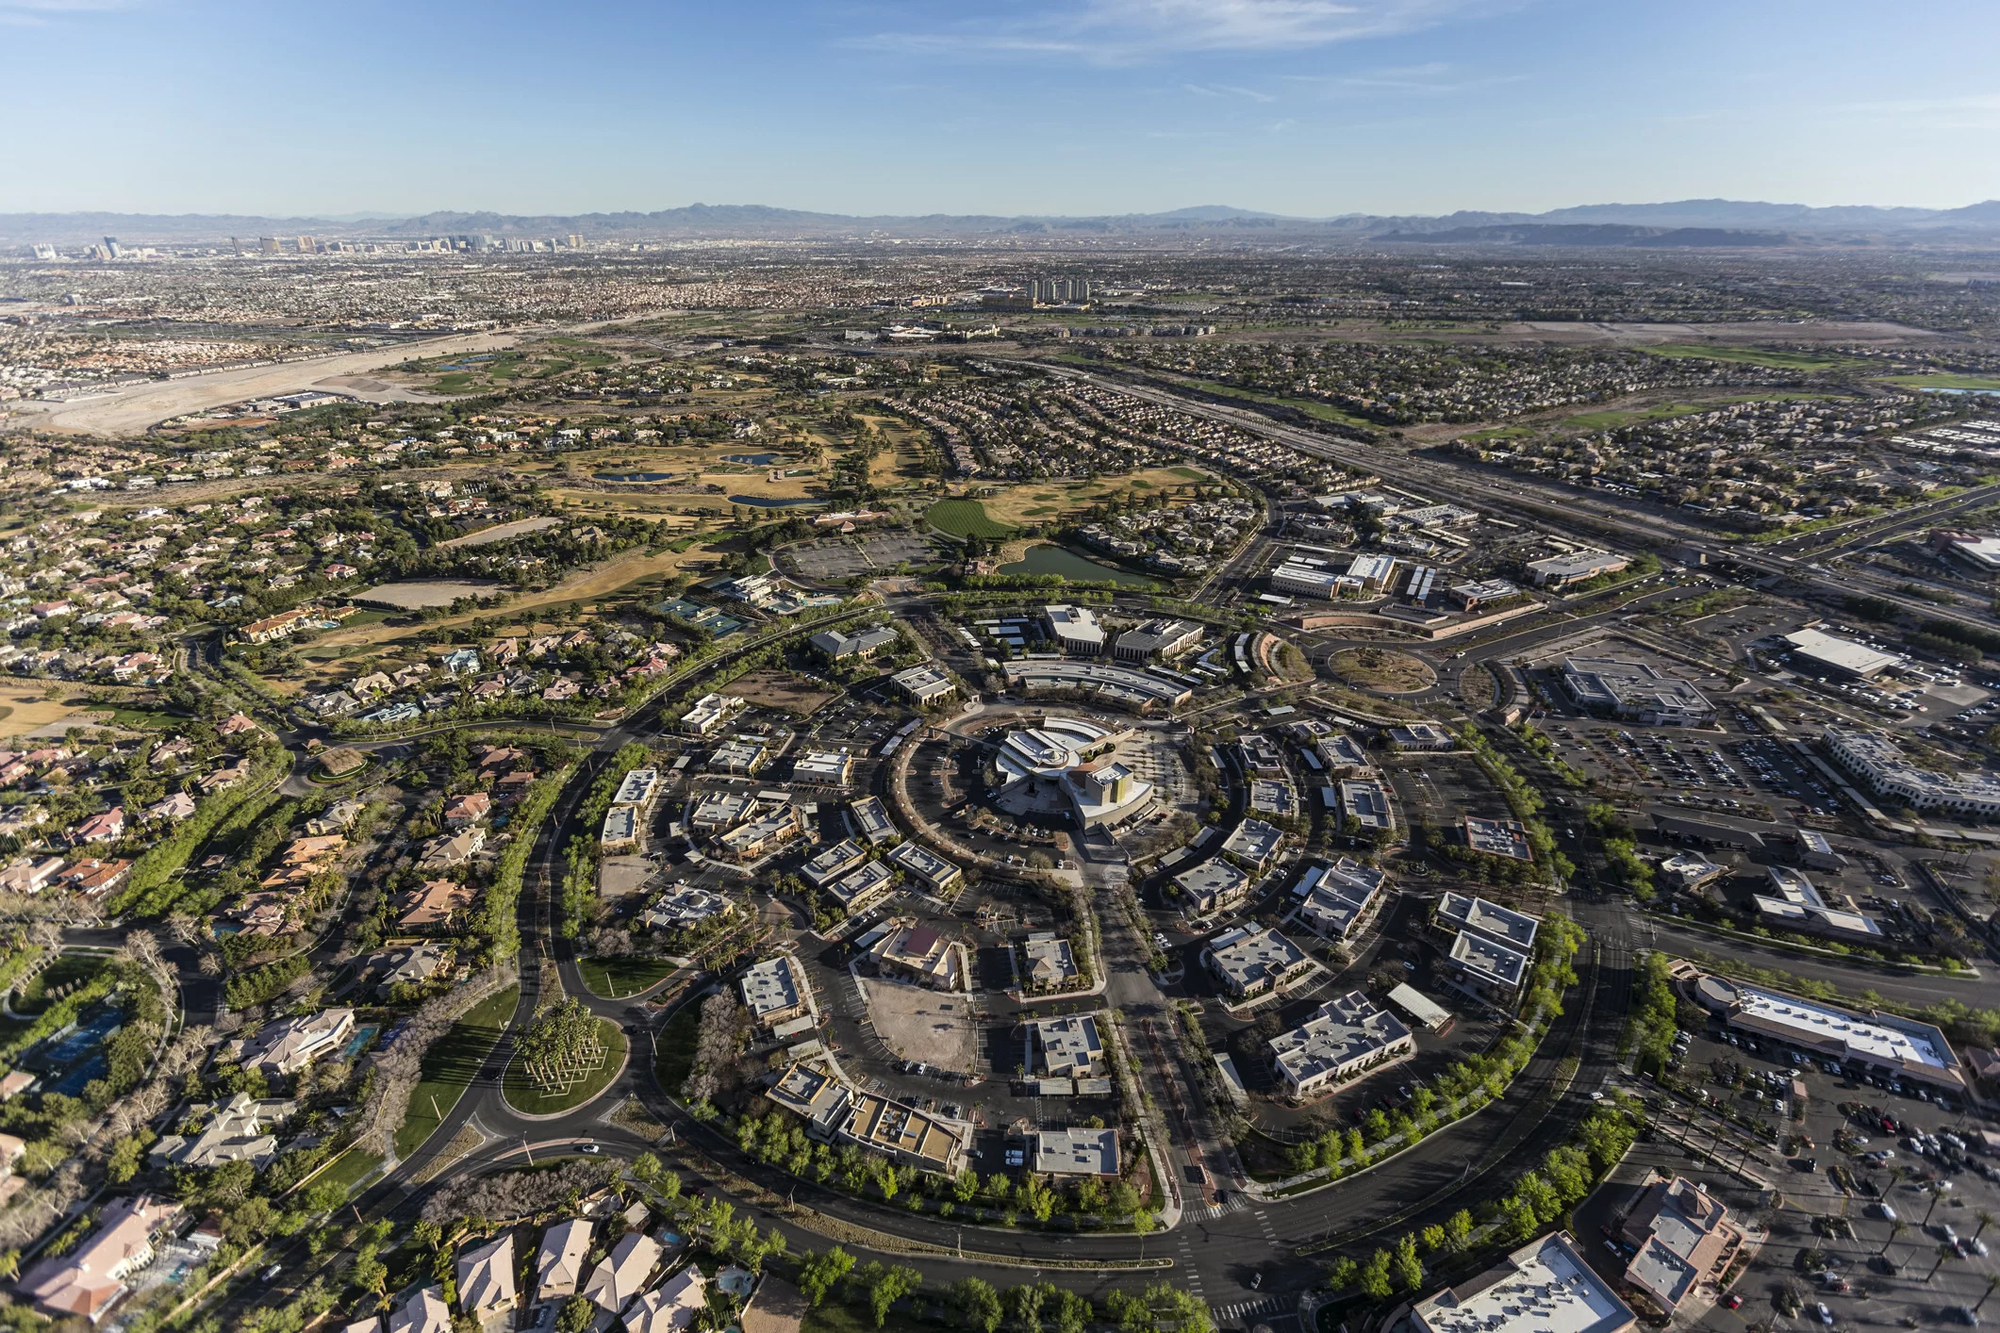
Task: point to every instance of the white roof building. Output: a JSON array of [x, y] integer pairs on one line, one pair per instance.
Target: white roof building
[[1843, 657], [1880, 763], [284, 1047], [1336, 1043], [1076, 1152], [1076, 629], [1795, 901], [1900, 1047], [1543, 1287], [1250, 962]]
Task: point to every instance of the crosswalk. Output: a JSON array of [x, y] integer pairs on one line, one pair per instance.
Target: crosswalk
[[1236, 1202], [1248, 1310]]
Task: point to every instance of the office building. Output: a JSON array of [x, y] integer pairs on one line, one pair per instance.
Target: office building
[[1338, 1043]]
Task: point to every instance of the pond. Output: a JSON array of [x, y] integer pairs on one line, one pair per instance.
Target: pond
[[631, 476], [754, 460], [763, 502], [1048, 558]]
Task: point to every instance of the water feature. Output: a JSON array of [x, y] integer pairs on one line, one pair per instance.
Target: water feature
[[754, 460], [1048, 558]]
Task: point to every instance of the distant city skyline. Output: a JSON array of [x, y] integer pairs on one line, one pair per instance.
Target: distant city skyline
[[1305, 108]]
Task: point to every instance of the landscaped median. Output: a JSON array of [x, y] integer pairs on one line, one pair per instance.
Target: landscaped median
[[450, 1066]]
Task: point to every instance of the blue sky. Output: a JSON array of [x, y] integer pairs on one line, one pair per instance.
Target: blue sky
[[1303, 107]]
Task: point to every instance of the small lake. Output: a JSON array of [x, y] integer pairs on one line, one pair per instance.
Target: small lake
[[1049, 558], [632, 476], [764, 502], [754, 460]]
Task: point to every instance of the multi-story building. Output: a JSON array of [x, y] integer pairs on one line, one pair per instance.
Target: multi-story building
[[1336, 1044]]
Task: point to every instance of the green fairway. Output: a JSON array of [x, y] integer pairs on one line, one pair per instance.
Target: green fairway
[[616, 978], [530, 1100], [966, 518], [1750, 356], [450, 1066], [1945, 381]]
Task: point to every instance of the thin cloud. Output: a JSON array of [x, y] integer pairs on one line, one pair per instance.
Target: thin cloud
[[1432, 78], [1972, 111], [1228, 90], [1129, 31]]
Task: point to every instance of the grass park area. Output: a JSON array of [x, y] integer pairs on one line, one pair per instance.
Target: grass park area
[[966, 518], [617, 978], [450, 1066], [349, 1169], [676, 1045], [70, 972], [1751, 356], [528, 1099], [1945, 381]]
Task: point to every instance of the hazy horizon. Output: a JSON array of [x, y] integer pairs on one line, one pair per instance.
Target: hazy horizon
[[1305, 108]]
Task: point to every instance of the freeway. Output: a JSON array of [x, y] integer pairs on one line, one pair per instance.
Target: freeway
[[1600, 515]]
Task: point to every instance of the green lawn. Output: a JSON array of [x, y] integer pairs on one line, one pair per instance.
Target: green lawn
[[834, 1317], [450, 1065], [966, 518], [1185, 473], [676, 1048], [349, 1168], [1753, 356], [615, 978], [1945, 381], [1500, 433], [72, 970], [1311, 407], [524, 1097]]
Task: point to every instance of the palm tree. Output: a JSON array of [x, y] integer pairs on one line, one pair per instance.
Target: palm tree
[[1895, 1229], [1985, 1220], [1991, 1283], [1935, 1194], [1944, 1252]]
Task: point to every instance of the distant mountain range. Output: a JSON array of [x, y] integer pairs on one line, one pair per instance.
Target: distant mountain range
[[1705, 223]]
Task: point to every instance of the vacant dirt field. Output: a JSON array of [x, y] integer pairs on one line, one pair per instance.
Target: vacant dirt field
[[417, 595], [775, 689], [927, 1025], [27, 710], [142, 405]]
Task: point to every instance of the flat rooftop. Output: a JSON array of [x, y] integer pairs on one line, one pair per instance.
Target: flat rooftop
[[1883, 1039], [1543, 1287], [1490, 919], [1843, 654]]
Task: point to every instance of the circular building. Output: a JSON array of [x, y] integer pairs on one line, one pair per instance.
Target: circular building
[[1071, 763]]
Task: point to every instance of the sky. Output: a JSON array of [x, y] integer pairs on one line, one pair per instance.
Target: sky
[[1307, 108]]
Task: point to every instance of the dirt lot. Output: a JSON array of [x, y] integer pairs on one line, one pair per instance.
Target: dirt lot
[[428, 592], [26, 710], [142, 405], [775, 689], [926, 1025]]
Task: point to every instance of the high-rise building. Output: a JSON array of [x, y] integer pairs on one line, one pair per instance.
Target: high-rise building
[[112, 249], [307, 245], [269, 245], [576, 242], [45, 252]]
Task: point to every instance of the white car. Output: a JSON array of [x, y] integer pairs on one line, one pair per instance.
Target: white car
[[1825, 1315]]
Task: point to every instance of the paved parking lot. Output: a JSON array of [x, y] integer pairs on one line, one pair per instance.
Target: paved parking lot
[[1825, 1209]]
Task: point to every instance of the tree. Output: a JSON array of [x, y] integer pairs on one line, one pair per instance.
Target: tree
[[1944, 1254], [1433, 1237], [1409, 1270], [1027, 1302], [890, 1285], [646, 1169], [1073, 1312], [1374, 1280], [1343, 1273], [576, 1316], [978, 1302], [1459, 1228], [819, 1272]]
